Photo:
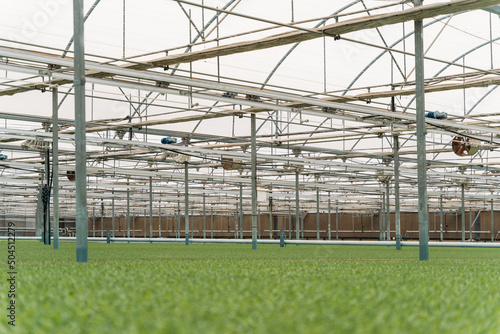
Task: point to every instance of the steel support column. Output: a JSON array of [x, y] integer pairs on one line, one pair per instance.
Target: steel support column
[[329, 217], [150, 207], [186, 202], [463, 212], [241, 211], [492, 223], [128, 209], [80, 133], [159, 220], [423, 214], [397, 215], [297, 208], [113, 213], [441, 218], [55, 164], [204, 216], [317, 213], [388, 211], [337, 220], [253, 131], [382, 218]]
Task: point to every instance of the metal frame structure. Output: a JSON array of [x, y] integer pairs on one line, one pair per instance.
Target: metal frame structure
[[317, 146]]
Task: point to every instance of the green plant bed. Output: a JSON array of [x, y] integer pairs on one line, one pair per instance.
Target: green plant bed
[[172, 288]]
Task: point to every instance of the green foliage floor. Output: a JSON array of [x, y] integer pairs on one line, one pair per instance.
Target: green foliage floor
[[166, 288]]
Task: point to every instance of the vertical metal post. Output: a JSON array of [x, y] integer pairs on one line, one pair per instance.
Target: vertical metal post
[[93, 221], [492, 223], [253, 131], [82, 226], [463, 212], [423, 214], [211, 222], [204, 216], [159, 220], [441, 218], [388, 211], [317, 213], [336, 220], [297, 206], [282, 237], [270, 216], [382, 218], [113, 213], [329, 217], [102, 218], [186, 204], [397, 215], [150, 207], [241, 211], [128, 209], [55, 164], [108, 236]]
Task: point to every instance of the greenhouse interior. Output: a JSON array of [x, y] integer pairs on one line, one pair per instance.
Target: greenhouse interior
[[251, 121]]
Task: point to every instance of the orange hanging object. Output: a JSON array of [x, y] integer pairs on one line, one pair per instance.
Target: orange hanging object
[[463, 146]]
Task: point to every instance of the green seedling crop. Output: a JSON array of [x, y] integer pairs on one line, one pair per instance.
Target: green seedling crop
[[207, 288]]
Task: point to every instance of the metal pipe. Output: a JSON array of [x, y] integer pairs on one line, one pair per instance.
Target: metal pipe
[[329, 217], [388, 212], [317, 213], [297, 208], [102, 218], [492, 223], [270, 215], [254, 179], [113, 213], [397, 215], [463, 212], [423, 214], [128, 209], [337, 220], [441, 218], [80, 134], [150, 207], [241, 211], [55, 164], [204, 216], [186, 204], [159, 220], [382, 218]]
